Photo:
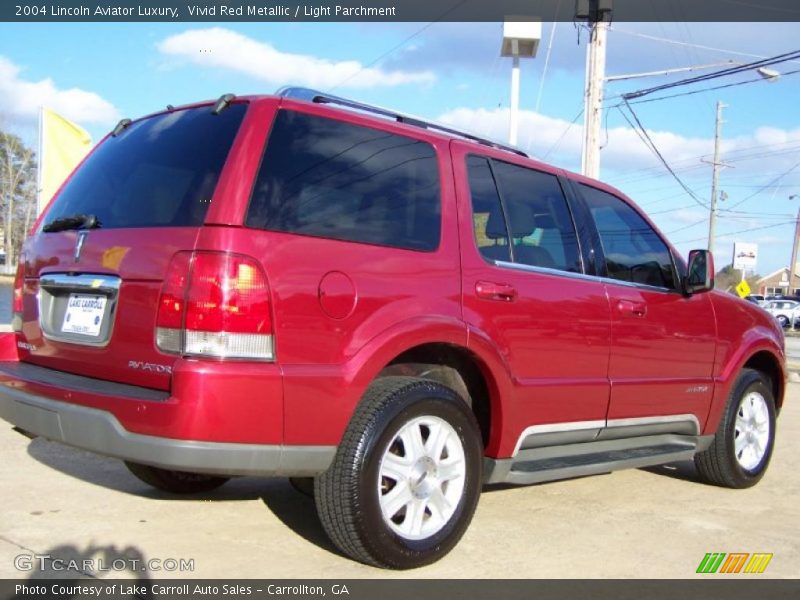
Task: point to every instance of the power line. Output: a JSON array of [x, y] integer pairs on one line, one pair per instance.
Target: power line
[[740, 231], [645, 137], [693, 45], [398, 46], [692, 93], [563, 135], [715, 75], [765, 186]]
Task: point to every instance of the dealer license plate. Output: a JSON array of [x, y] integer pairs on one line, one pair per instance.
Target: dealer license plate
[[84, 314]]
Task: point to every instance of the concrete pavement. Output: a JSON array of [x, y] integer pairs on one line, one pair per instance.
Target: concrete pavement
[[640, 523]]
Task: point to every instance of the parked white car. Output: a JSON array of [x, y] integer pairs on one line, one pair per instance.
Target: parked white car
[[785, 311]]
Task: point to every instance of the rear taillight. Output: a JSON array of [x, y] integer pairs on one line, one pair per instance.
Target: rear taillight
[[17, 304], [216, 305]]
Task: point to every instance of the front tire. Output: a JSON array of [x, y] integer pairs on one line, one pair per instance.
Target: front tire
[[175, 482], [742, 447], [783, 321], [407, 475]]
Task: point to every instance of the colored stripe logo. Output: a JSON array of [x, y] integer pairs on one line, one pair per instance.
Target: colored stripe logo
[[734, 562]]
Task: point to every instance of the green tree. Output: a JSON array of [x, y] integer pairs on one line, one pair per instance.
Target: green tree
[[727, 278], [17, 195]]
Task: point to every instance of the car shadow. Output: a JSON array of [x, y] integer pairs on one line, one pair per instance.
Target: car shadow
[[294, 509], [683, 470]]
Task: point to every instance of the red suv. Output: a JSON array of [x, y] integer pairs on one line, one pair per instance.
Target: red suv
[[301, 285]]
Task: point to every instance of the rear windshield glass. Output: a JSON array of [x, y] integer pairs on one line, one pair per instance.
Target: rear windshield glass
[[159, 172], [326, 178]]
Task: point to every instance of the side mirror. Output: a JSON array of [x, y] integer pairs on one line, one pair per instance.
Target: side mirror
[[701, 272]]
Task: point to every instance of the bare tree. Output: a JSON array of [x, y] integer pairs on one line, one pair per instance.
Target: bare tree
[[17, 194]]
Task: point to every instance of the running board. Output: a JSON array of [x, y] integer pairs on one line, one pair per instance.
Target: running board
[[592, 458]]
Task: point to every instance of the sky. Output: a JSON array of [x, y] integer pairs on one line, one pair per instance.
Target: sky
[[97, 73]]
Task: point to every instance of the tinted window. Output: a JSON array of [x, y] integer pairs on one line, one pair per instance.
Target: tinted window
[[542, 232], [332, 179], [633, 250], [159, 172], [491, 234]]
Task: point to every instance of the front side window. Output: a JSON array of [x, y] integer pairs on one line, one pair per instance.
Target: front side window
[[327, 178], [633, 251], [521, 215]]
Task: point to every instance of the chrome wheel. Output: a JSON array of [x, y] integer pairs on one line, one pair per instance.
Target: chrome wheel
[[751, 433], [421, 477]]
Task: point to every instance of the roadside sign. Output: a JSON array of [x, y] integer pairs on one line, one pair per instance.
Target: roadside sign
[[743, 289], [745, 256]]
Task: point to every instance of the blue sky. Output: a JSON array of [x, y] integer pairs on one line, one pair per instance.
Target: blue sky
[[97, 73]]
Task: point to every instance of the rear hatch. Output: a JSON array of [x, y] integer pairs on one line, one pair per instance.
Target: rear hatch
[[94, 269]]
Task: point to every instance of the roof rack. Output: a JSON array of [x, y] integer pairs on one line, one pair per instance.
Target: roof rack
[[309, 95]]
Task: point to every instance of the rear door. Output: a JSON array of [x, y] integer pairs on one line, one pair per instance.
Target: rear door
[[525, 290], [662, 342], [94, 269]]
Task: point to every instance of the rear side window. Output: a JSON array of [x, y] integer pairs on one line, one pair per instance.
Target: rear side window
[[527, 222], [159, 172], [633, 250], [327, 178]]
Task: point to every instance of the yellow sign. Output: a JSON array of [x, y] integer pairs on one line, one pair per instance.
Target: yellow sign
[[743, 289]]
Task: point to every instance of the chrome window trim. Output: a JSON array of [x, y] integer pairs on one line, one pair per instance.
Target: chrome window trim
[[604, 424], [583, 276], [108, 285]]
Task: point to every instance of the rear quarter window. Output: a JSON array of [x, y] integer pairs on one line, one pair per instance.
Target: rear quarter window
[[159, 172], [326, 178]]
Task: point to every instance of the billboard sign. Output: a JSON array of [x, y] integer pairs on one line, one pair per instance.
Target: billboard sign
[[745, 256]]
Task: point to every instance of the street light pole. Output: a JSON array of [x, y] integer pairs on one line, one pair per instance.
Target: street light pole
[[520, 40], [513, 119]]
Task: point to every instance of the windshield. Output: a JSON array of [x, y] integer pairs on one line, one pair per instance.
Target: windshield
[[159, 172]]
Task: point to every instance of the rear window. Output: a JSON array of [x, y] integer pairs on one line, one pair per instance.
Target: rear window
[[159, 172], [326, 178]]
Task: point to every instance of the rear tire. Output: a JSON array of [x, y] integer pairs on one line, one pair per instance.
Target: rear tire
[[175, 482], [742, 447], [406, 477]]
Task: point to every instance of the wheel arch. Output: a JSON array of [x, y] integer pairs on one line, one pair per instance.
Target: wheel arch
[[418, 343], [765, 358], [457, 368]]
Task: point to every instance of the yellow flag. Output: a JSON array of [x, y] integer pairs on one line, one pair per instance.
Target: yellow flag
[[63, 144]]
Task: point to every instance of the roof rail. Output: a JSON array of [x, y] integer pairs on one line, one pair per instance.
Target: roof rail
[[309, 95]]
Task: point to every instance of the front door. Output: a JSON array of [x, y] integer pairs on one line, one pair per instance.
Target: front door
[[662, 342]]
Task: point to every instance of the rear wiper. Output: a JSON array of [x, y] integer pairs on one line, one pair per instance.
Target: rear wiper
[[72, 222]]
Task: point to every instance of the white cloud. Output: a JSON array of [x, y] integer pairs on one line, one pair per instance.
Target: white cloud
[[688, 216], [623, 150], [20, 99], [225, 49]]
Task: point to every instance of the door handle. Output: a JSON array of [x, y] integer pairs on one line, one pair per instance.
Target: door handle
[[495, 291], [629, 307]]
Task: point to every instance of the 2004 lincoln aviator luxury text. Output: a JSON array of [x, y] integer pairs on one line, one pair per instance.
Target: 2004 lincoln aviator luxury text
[[386, 310]]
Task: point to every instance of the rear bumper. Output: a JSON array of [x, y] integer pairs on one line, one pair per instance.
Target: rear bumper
[[99, 431], [206, 425]]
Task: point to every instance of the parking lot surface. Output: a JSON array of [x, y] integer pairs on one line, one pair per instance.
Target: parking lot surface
[[647, 523]]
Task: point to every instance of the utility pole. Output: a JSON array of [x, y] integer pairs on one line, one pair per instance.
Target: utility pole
[[712, 219], [598, 15], [794, 250]]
